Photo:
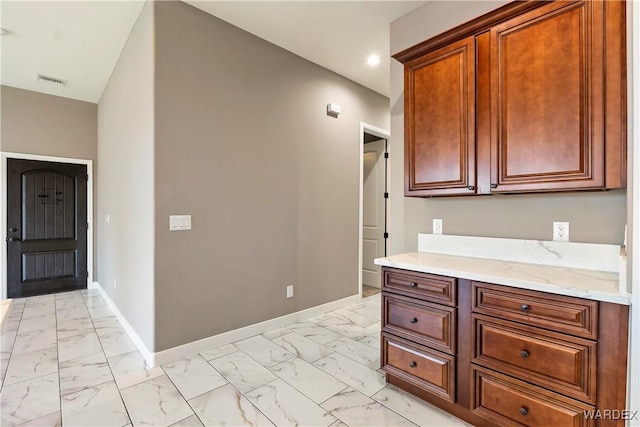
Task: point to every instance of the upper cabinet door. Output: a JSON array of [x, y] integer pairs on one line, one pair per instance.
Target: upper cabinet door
[[440, 121], [547, 99]]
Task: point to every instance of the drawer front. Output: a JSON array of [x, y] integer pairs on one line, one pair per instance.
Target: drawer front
[[429, 324], [439, 289], [428, 369], [566, 366], [508, 402], [554, 312]]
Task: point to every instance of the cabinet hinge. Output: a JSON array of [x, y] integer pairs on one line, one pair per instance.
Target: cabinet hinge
[[386, 195], [386, 155], [386, 235]]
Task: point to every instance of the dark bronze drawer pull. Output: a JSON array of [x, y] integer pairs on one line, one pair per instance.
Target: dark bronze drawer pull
[[525, 307], [524, 354], [413, 284], [413, 364], [414, 320], [524, 411]]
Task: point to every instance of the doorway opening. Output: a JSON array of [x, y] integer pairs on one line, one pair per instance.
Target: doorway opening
[[374, 206], [46, 221]]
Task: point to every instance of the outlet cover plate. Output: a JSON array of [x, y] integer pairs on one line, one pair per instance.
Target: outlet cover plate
[[437, 226], [561, 231]]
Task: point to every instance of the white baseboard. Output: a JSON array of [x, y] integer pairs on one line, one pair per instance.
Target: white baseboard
[[146, 353], [195, 347]]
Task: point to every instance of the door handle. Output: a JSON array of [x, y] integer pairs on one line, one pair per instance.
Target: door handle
[[14, 239]]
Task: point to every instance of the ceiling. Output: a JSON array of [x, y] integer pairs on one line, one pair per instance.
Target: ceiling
[[80, 41]]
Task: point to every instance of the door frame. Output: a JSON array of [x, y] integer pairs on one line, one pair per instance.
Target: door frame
[[3, 209], [383, 134]]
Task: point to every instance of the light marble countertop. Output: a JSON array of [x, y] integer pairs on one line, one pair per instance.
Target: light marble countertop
[[576, 282]]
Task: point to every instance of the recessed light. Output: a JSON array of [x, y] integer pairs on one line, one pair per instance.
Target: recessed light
[[3, 31], [373, 60]]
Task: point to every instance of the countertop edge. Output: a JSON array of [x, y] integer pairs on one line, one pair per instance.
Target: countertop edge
[[592, 294]]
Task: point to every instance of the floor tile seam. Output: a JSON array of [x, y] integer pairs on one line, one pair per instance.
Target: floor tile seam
[[270, 382], [30, 379], [298, 355], [258, 363], [363, 315], [85, 388], [178, 389], [13, 344], [108, 365], [312, 364], [255, 359], [58, 371], [391, 409], [351, 358], [241, 394]]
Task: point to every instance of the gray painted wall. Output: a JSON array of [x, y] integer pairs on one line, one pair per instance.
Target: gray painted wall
[[47, 125], [597, 217], [126, 185], [243, 144]]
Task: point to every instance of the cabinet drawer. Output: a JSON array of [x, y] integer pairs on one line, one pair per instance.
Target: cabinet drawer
[[439, 289], [425, 368], [555, 312], [562, 363], [508, 402], [433, 325]]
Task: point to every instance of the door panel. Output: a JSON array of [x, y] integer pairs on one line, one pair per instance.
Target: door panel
[[373, 214], [47, 227], [440, 121], [547, 82], [48, 206]]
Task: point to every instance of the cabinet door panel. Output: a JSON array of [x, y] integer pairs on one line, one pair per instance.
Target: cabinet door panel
[[547, 99], [440, 121]]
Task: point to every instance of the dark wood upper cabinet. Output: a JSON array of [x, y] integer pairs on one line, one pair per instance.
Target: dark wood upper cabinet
[[528, 98], [440, 121]]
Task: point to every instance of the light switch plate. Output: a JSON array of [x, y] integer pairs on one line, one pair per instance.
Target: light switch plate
[[179, 222]]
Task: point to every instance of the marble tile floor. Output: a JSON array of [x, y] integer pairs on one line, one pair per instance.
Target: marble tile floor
[[66, 360]]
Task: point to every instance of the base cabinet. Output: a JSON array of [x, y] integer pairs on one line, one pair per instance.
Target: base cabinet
[[500, 356]]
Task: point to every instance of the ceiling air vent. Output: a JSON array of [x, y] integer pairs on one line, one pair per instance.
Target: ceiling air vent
[[48, 79]]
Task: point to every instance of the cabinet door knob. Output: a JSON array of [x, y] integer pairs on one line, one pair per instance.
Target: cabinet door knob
[[524, 354], [413, 284], [414, 320], [471, 188], [525, 307], [413, 364], [494, 185], [524, 411]]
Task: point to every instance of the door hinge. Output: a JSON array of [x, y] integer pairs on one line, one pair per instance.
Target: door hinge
[[386, 155], [87, 274], [386, 235], [386, 195], [87, 226]]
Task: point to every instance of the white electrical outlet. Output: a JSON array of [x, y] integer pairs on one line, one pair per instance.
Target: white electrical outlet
[[561, 231], [437, 226], [289, 291], [115, 284]]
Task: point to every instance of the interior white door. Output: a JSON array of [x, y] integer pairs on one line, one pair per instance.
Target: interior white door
[[373, 221]]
